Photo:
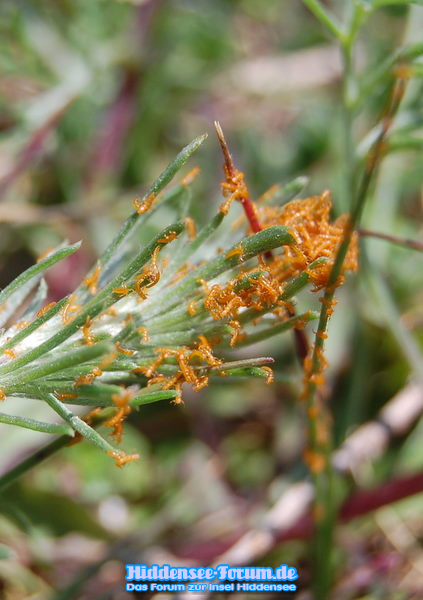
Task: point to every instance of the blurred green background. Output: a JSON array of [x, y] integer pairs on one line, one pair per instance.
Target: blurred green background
[[96, 96]]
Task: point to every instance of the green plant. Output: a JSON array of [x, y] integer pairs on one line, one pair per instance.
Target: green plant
[[133, 332]]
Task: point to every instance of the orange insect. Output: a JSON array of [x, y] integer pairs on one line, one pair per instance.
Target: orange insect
[[65, 396], [89, 377], [2, 395], [70, 307], [9, 352], [316, 462], [123, 350], [270, 375], [123, 409], [122, 291], [89, 339], [190, 176], [142, 206], [107, 360], [239, 251], [144, 334], [236, 331], [172, 235], [121, 458], [22, 324], [190, 227], [45, 309], [192, 308], [92, 280], [149, 276], [44, 254]]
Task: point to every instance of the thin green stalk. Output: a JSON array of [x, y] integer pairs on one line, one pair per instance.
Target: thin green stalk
[[35, 459], [325, 18], [319, 432], [27, 423]]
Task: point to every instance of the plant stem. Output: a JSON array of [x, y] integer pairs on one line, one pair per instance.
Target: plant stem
[[326, 19], [33, 460], [319, 429], [394, 239]]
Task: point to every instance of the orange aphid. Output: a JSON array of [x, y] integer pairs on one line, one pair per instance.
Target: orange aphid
[[2, 395], [204, 285], [236, 331], [88, 418], [107, 360], [44, 254], [22, 324], [142, 206], [89, 339], [329, 304], [149, 276], [45, 309], [172, 235], [144, 334], [89, 377], [190, 176], [316, 462], [123, 350], [322, 335], [192, 308], [313, 412], [121, 458], [270, 375], [234, 188], [9, 352], [123, 408], [70, 307], [190, 227], [91, 282], [65, 396], [122, 291], [239, 251]]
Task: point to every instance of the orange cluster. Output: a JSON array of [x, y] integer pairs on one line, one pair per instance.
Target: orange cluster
[[226, 301], [150, 275], [308, 220], [233, 188], [143, 206], [123, 408], [91, 282], [186, 373], [89, 377], [313, 375], [44, 310], [71, 307]]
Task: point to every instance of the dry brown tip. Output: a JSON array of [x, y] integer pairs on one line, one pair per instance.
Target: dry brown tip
[[227, 155]]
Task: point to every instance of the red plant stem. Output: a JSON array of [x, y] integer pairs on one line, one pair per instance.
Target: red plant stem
[[401, 241], [117, 122], [360, 503], [230, 171], [32, 150], [301, 342]]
